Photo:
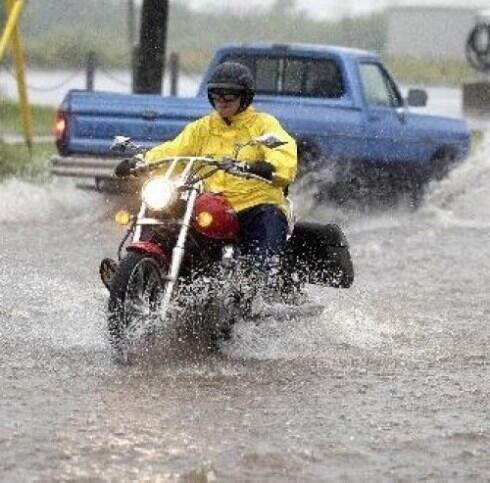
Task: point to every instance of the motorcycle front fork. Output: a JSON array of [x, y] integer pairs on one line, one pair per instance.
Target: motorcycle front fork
[[229, 256]]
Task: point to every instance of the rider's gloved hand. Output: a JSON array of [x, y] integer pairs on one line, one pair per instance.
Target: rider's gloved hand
[[123, 169], [262, 169]]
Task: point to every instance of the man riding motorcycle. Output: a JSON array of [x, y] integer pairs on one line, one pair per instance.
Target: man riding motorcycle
[[262, 208]]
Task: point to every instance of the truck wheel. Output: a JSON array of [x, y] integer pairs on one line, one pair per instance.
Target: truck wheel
[[135, 295], [413, 191], [442, 162], [309, 155]]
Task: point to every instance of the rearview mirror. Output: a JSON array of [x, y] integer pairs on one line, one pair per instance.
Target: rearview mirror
[[417, 98], [270, 141], [122, 143], [119, 143]]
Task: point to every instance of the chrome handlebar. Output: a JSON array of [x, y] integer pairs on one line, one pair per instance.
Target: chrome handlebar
[[229, 165]]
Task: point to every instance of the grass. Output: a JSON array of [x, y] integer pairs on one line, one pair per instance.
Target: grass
[[477, 140], [444, 72], [16, 160], [10, 122]]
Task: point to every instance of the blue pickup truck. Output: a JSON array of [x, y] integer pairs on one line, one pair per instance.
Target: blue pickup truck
[[342, 105]]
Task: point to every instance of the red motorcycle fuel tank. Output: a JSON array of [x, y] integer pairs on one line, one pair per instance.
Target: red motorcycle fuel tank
[[215, 218]]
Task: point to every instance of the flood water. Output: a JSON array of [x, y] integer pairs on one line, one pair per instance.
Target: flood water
[[390, 383]]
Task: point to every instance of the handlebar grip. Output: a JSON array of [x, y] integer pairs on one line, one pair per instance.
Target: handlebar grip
[[260, 170], [140, 170], [243, 172]]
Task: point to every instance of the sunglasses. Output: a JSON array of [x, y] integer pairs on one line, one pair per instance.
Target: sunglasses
[[224, 96]]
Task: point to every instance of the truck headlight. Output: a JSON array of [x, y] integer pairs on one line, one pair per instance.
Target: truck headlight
[[158, 193]]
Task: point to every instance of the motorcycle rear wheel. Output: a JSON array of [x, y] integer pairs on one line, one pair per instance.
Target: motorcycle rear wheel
[[135, 295]]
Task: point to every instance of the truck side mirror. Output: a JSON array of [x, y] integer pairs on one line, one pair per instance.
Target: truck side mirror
[[417, 98]]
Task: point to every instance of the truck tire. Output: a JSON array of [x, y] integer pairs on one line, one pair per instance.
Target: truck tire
[[442, 162], [309, 155]]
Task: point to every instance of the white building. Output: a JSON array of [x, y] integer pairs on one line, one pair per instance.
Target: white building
[[429, 32]]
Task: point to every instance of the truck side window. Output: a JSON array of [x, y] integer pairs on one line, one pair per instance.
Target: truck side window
[[312, 78], [294, 76], [323, 79], [265, 70], [378, 87], [266, 73]]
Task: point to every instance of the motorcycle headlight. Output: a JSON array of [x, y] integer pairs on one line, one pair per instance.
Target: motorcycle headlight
[[158, 193]]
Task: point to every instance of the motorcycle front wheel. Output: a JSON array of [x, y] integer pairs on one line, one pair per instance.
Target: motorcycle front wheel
[[136, 291]]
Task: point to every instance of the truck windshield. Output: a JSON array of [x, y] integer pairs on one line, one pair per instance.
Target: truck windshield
[[293, 76]]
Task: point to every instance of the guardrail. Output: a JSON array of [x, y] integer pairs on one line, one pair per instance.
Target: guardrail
[[17, 139], [83, 167]]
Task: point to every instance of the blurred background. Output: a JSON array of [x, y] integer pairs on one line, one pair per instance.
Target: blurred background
[[423, 44], [420, 43]]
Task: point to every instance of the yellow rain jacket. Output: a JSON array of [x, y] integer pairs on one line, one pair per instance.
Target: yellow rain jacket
[[211, 136]]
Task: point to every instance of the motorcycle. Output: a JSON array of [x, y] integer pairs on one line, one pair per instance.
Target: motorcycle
[[184, 260]]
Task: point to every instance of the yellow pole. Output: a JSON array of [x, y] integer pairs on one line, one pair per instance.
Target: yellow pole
[[14, 6], [11, 24]]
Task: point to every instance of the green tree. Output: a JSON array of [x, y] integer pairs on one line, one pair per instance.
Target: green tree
[[62, 37], [286, 6]]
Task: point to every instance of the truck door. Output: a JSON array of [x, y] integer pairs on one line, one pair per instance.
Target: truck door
[[391, 135]]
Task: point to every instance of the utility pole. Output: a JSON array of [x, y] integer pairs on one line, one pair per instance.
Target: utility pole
[[132, 47], [131, 25], [150, 62], [11, 34]]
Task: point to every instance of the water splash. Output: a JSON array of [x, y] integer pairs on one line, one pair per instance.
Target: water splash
[[463, 197], [23, 201], [460, 200]]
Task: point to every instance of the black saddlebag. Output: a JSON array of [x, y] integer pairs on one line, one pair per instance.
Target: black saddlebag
[[319, 254]]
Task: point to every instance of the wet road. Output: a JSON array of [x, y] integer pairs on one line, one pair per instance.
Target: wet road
[[391, 383]]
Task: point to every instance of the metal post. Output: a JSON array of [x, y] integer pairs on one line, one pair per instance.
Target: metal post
[[13, 9], [131, 23], [174, 73], [134, 67], [153, 37], [91, 64], [12, 18], [131, 39]]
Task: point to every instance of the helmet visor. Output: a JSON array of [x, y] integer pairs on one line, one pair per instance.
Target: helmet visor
[[229, 86]]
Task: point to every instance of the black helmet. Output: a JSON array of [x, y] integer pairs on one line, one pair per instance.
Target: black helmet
[[234, 77]]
